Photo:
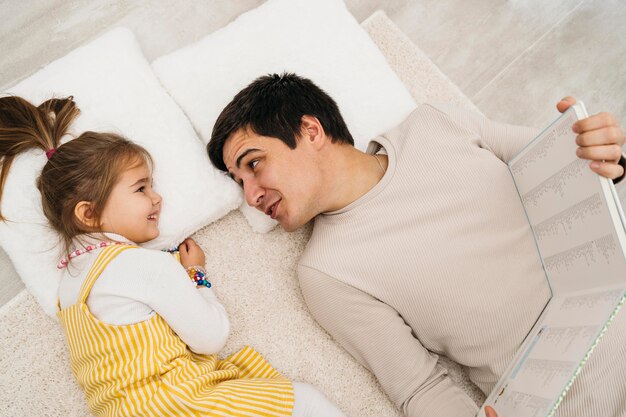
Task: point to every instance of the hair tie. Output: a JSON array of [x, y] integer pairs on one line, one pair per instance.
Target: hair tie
[[50, 152]]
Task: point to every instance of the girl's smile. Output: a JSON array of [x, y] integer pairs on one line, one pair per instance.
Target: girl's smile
[[133, 207]]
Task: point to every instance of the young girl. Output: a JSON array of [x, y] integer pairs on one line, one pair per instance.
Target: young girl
[[143, 330]]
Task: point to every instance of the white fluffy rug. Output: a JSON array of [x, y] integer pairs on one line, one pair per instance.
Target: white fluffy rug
[[254, 277]]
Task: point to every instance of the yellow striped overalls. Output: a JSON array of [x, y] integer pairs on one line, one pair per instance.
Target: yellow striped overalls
[[145, 369]]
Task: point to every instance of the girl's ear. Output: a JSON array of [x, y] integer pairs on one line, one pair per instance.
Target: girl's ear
[[84, 213]]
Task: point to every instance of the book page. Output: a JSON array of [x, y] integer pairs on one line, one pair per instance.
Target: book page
[[567, 207], [551, 356], [578, 227]]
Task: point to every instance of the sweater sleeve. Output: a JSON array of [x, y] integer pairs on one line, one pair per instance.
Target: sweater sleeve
[[504, 140], [377, 336]]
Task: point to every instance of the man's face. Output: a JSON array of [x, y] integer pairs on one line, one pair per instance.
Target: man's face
[[281, 182]]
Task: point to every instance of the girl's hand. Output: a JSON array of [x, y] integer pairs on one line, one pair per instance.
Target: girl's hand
[[191, 254]]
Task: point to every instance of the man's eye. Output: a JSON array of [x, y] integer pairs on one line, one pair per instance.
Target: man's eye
[[252, 164]]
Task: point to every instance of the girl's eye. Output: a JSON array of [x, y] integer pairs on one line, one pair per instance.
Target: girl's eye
[[141, 189]]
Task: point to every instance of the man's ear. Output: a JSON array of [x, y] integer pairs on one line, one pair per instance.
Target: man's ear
[[84, 213], [312, 131]]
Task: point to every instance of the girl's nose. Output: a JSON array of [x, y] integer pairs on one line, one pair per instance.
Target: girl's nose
[[156, 198]]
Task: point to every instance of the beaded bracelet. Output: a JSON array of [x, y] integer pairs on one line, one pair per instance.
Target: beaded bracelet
[[198, 275]]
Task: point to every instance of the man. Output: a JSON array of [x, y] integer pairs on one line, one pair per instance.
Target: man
[[420, 246]]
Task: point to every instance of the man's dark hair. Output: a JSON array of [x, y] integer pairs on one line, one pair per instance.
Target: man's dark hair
[[273, 106]]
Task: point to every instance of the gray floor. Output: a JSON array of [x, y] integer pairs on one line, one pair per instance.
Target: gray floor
[[513, 58]]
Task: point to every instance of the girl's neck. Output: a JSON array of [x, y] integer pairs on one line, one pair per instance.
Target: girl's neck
[[96, 237]]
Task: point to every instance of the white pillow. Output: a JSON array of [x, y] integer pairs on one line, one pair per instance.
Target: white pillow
[[319, 40], [116, 90]]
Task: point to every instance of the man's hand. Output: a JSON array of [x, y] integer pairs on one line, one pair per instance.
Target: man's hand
[[600, 139], [191, 254], [490, 412]]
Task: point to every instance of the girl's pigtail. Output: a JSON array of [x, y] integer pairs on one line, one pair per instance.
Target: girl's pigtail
[[24, 126], [61, 113]]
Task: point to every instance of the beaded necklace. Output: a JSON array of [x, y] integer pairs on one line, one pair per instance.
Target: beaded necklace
[[63, 262]]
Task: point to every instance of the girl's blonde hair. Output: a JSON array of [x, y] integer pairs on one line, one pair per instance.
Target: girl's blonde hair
[[83, 169]]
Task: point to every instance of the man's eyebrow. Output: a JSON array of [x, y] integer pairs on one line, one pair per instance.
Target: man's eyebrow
[[243, 155]]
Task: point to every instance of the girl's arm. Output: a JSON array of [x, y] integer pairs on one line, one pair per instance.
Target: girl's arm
[[194, 313]]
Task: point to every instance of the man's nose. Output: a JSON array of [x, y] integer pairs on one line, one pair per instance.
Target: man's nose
[[253, 193]]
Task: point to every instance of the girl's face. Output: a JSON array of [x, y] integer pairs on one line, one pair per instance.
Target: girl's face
[[133, 208]]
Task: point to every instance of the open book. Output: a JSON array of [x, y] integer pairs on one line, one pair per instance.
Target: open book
[[579, 228]]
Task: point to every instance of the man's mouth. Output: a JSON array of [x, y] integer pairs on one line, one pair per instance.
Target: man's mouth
[[271, 210]]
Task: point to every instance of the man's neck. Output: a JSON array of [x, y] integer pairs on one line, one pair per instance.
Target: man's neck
[[351, 174]]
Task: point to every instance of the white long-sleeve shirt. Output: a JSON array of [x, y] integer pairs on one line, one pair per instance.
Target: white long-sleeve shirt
[[139, 283]]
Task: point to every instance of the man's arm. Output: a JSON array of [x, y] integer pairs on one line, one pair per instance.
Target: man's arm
[[380, 340], [600, 137]]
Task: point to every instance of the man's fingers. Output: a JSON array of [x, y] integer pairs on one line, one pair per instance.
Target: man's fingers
[[565, 103], [611, 153], [607, 169], [597, 121], [490, 412], [606, 136]]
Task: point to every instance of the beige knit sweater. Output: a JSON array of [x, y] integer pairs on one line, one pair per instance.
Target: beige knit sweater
[[437, 259]]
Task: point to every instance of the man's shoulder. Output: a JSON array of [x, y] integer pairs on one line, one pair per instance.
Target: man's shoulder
[[313, 255], [432, 124], [318, 253], [418, 122], [328, 230], [435, 110]]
